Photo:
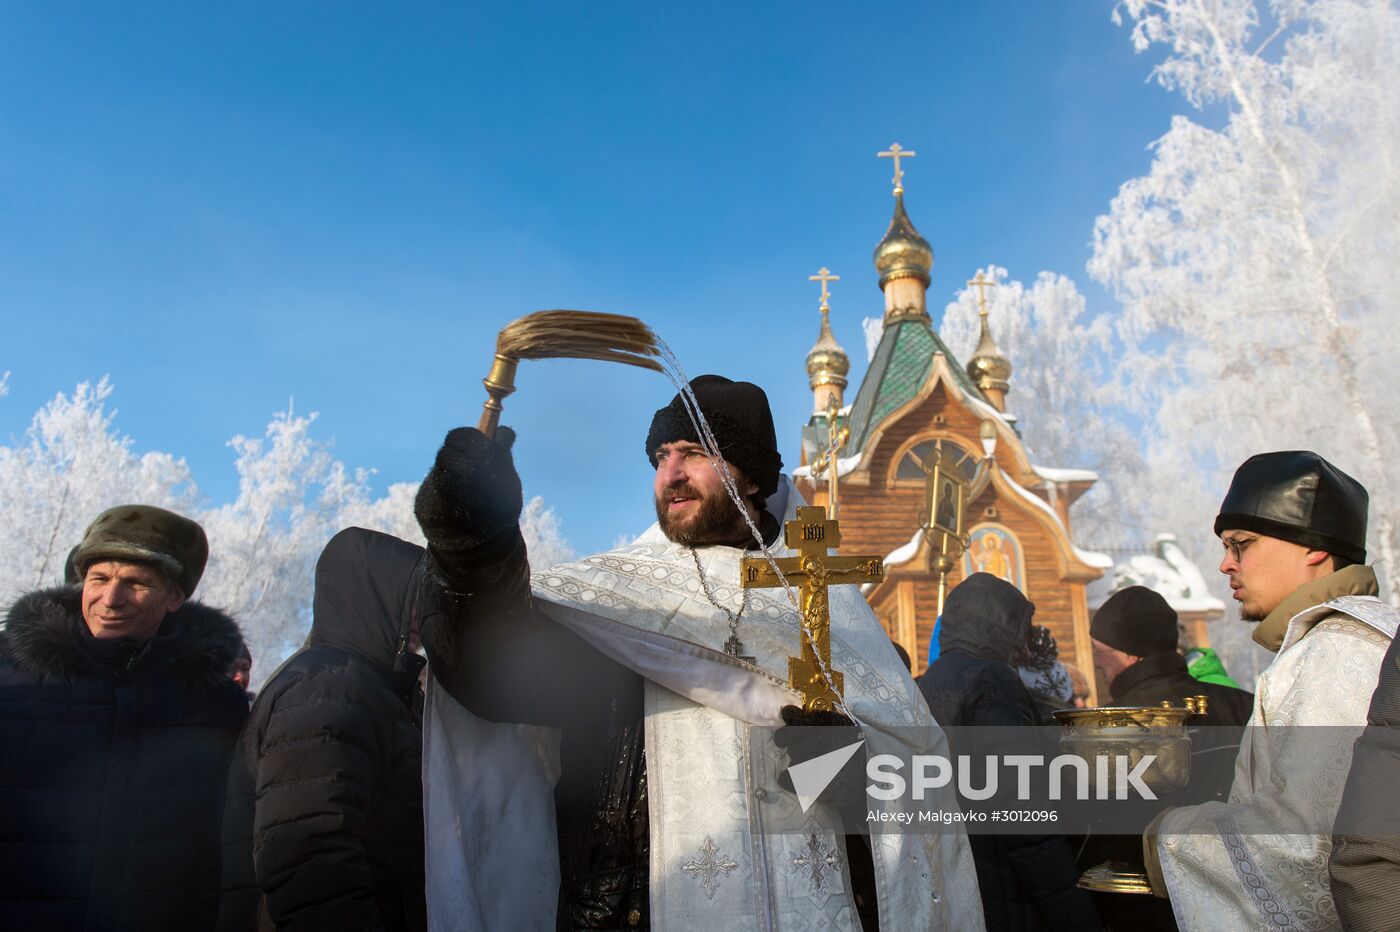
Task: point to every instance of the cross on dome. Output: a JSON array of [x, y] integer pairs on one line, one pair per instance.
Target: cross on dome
[[897, 152]]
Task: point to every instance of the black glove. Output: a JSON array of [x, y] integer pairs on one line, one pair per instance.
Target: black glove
[[795, 718], [805, 735], [469, 504]]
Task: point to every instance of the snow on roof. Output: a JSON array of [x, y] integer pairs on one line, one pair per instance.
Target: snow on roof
[[1170, 551], [1168, 572], [1094, 558], [845, 465], [905, 552], [901, 554], [1065, 475], [1101, 561], [986, 410]]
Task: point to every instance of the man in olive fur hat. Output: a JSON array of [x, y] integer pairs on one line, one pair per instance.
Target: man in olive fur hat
[[118, 719], [1293, 528], [649, 666]]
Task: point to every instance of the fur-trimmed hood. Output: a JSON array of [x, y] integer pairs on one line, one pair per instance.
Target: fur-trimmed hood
[[45, 635]]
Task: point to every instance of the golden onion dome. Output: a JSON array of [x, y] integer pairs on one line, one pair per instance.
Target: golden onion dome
[[827, 363], [903, 253], [989, 367]]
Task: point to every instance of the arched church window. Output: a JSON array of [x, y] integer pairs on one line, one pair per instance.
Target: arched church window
[[919, 458]]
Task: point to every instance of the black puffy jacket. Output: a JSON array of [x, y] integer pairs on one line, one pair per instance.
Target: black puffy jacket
[[1027, 881], [1163, 677], [113, 755], [324, 824], [1365, 863]]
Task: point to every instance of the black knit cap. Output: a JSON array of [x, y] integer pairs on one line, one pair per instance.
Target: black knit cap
[[1298, 496], [1136, 621], [145, 534], [740, 419]]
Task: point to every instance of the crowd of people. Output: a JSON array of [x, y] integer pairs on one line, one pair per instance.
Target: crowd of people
[[461, 745]]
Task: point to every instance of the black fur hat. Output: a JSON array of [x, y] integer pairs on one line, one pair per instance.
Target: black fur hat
[[741, 421]]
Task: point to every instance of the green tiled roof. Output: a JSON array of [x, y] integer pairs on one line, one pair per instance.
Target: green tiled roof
[[814, 437], [900, 366]]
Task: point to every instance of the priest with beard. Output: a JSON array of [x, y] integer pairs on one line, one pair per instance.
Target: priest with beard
[[587, 759]]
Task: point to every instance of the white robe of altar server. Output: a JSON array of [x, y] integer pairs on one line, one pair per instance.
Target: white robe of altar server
[[1226, 865]]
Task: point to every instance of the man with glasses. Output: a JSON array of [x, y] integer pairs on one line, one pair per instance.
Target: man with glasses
[[1293, 528]]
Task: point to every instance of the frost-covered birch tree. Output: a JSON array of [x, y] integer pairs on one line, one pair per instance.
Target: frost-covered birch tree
[[544, 535], [264, 544], [1062, 393], [71, 464], [293, 497], [1256, 261]]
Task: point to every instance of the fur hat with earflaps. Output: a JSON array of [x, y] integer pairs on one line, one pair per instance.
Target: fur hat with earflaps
[[145, 534]]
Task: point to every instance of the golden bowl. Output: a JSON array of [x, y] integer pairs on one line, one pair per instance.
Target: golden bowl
[[1115, 877], [1132, 732]]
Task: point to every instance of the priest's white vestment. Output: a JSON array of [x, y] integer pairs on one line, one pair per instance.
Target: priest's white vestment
[[492, 847], [1226, 865]]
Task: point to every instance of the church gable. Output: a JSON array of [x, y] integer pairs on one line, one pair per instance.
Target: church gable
[[940, 406]]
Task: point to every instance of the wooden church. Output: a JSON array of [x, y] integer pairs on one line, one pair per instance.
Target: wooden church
[[918, 407]]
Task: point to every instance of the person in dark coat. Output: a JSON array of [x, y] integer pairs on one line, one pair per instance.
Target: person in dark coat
[[1135, 635], [1027, 881], [117, 723], [1364, 866], [324, 823]]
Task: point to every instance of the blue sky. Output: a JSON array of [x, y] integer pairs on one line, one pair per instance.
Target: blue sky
[[226, 206]]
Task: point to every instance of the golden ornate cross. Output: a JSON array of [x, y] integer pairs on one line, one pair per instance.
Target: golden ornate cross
[[896, 152], [824, 275], [836, 438], [814, 570], [982, 283]]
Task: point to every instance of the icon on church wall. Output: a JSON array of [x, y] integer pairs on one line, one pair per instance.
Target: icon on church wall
[[946, 501], [947, 507], [994, 549]]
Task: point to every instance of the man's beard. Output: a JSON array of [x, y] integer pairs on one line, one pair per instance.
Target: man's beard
[[716, 521], [1248, 613]]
